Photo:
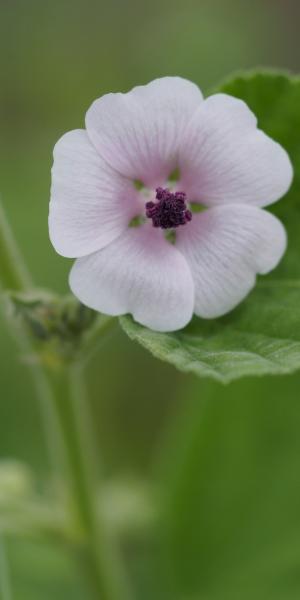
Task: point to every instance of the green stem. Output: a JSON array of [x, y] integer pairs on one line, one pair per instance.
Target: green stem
[[96, 546], [64, 406]]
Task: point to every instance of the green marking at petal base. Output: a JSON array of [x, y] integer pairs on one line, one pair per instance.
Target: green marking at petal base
[[174, 176], [138, 184]]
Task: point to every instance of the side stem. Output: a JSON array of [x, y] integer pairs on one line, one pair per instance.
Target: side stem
[[64, 406]]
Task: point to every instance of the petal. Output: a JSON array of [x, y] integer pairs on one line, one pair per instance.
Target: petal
[[226, 159], [225, 247], [138, 133], [139, 273], [91, 204]]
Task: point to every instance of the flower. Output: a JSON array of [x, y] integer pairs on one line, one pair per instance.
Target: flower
[[125, 192]]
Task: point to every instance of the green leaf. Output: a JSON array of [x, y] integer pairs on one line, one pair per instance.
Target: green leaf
[[275, 99], [262, 335]]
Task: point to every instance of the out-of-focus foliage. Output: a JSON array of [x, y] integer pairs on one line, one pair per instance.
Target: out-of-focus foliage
[[56, 58], [40, 570], [231, 514]]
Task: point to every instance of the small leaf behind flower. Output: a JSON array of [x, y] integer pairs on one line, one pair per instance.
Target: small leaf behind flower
[[56, 324], [261, 336]]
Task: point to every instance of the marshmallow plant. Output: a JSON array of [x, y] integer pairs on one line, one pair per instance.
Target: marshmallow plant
[[169, 203], [172, 262], [182, 218]]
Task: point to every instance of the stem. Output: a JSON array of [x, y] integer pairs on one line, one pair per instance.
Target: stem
[[63, 403], [96, 545]]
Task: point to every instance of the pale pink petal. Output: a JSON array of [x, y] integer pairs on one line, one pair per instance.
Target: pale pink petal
[[225, 247], [226, 159], [139, 273], [139, 133], [91, 204]]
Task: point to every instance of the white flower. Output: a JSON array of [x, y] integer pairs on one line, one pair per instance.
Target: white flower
[[225, 164]]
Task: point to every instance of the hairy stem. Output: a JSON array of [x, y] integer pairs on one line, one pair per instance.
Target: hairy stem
[[96, 546]]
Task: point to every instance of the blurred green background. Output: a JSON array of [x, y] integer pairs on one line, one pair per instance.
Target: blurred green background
[[228, 458]]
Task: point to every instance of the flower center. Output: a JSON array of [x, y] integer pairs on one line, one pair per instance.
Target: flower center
[[170, 210]]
